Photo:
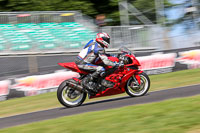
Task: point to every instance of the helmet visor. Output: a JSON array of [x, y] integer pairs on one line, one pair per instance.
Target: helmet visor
[[106, 39]]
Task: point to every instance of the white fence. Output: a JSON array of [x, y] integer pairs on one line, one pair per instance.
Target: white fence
[[151, 36], [139, 36]]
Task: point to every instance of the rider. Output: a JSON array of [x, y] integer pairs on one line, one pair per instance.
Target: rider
[[90, 54]]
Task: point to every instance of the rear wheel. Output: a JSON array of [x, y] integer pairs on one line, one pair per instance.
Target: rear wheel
[[70, 97], [133, 89]]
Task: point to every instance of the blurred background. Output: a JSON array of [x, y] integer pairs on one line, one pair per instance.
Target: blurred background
[[35, 35], [60, 25]]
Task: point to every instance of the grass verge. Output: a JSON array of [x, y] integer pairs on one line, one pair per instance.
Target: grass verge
[[171, 116], [49, 100]]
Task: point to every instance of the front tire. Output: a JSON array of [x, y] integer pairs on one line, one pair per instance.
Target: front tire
[[133, 90], [69, 97]]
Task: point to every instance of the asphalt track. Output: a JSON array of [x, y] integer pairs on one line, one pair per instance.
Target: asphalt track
[[100, 105]]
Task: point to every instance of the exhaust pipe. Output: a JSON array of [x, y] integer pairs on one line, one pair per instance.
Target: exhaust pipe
[[75, 86]]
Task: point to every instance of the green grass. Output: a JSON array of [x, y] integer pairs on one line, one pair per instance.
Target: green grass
[[175, 79], [49, 100], [171, 116]]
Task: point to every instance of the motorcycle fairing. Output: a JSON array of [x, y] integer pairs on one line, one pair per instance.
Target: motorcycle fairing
[[135, 61], [108, 92], [120, 82]]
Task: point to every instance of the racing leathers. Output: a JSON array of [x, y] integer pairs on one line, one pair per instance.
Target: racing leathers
[[87, 58]]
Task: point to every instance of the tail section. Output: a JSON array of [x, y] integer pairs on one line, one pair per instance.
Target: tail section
[[72, 66]]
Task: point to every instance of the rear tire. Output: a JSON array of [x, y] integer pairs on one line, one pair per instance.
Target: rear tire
[[135, 91], [69, 97]]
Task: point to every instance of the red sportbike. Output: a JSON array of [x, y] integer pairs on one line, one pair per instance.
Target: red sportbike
[[127, 78]]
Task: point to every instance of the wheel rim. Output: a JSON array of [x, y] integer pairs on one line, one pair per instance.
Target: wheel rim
[[137, 91], [73, 100]]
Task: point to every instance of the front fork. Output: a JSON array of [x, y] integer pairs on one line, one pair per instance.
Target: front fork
[[137, 78], [136, 81]]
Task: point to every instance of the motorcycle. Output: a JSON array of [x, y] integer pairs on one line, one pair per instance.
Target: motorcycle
[[126, 78]]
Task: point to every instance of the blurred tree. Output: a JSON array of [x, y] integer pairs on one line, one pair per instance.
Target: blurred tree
[[89, 7], [47, 5], [109, 8], [148, 8], [82, 5]]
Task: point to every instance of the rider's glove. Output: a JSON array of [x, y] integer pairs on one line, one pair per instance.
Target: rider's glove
[[121, 64], [116, 65]]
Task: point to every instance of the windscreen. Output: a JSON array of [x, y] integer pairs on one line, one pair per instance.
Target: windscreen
[[124, 49]]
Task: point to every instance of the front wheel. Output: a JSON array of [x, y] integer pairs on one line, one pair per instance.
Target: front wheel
[[133, 89], [69, 97]]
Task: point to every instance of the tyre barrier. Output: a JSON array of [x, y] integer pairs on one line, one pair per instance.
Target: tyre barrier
[[33, 85]]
